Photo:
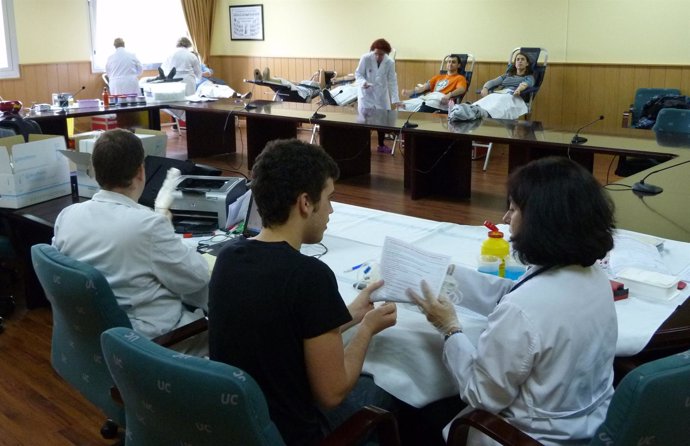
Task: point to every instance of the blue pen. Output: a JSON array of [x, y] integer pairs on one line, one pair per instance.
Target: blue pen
[[356, 267]]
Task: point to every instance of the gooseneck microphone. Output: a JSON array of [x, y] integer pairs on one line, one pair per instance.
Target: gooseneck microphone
[[412, 125], [83, 87], [643, 188], [324, 103], [577, 139]]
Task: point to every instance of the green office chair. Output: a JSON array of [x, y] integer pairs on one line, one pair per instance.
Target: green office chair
[[650, 406], [178, 399], [83, 307], [672, 127]]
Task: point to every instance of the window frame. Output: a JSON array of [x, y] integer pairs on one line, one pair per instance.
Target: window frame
[[12, 69]]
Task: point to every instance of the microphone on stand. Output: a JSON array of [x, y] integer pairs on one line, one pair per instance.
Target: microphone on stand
[[318, 115], [63, 99], [642, 188], [577, 139], [83, 87], [411, 125]]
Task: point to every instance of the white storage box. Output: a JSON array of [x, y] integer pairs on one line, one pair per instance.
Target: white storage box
[[32, 172], [154, 141], [649, 284], [86, 180], [164, 92]]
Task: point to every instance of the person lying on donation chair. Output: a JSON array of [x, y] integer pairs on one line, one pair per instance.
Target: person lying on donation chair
[[500, 96], [442, 89]]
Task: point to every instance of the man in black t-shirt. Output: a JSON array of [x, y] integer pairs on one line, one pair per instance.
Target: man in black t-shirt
[[277, 314]]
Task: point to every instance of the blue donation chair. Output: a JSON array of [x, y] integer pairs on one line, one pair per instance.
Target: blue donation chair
[[672, 127], [173, 398], [539, 58], [651, 406]]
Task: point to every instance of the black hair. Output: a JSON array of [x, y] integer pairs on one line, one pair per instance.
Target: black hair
[[566, 216], [284, 170], [117, 156]]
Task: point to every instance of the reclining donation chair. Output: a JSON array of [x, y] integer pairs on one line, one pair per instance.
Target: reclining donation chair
[[83, 307], [650, 406], [672, 127], [285, 93], [179, 399], [539, 59]]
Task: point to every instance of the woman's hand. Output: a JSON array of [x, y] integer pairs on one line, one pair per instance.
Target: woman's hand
[[438, 310], [484, 92]]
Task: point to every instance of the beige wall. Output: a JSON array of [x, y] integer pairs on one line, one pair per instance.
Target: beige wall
[[574, 31], [594, 31]]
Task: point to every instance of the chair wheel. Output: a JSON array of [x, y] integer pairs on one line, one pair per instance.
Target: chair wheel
[[109, 429]]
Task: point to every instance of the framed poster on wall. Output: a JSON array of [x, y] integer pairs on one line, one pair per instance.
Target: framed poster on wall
[[247, 22]]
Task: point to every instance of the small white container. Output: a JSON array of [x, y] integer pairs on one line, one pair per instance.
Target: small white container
[[649, 284]]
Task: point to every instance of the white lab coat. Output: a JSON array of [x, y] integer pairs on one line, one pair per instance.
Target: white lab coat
[[545, 361], [382, 81], [187, 67], [148, 267], [123, 68]]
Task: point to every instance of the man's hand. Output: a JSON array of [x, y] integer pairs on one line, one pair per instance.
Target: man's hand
[[362, 303], [438, 310], [380, 318], [484, 92]]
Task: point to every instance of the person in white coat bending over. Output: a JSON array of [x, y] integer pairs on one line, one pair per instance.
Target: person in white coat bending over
[[378, 82], [186, 64], [123, 69], [545, 360]]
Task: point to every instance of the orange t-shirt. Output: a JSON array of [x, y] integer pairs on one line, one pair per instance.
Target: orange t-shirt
[[446, 83]]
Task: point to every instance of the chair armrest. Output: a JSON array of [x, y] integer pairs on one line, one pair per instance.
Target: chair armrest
[[490, 424], [181, 333], [358, 426]]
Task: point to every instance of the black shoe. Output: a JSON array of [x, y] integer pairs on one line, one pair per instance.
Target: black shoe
[[171, 75], [328, 97], [161, 74]]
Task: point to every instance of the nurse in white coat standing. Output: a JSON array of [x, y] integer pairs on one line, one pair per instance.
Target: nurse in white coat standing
[[123, 69], [378, 82]]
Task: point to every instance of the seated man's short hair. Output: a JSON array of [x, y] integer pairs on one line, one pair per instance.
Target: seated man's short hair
[[117, 156]]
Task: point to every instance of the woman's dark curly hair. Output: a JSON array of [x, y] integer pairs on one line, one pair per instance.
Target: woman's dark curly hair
[[566, 216]]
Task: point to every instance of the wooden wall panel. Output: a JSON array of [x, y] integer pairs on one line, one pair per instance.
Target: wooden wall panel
[[572, 94]]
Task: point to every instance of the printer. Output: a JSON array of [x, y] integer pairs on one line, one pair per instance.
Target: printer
[[200, 203]]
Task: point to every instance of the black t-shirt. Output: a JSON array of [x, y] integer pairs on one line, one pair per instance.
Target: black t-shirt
[[265, 299]]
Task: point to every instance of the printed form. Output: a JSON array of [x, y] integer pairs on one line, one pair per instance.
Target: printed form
[[404, 266]]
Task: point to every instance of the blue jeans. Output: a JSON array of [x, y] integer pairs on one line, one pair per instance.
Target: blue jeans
[[364, 393]]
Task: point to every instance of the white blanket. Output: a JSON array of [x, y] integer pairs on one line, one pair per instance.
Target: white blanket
[[503, 106]]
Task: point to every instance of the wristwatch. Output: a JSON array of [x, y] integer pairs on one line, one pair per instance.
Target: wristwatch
[[451, 332]]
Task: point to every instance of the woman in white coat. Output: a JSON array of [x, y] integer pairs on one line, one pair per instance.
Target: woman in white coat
[[545, 360], [378, 82], [186, 64]]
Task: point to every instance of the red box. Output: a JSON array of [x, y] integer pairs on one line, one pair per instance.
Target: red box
[[104, 122]]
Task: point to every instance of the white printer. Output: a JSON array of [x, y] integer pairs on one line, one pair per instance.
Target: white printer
[[200, 203]]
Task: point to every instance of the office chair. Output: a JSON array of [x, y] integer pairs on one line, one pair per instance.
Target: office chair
[[179, 399], [649, 406], [539, 58], [629, 165], [672, 127], [83, 307]]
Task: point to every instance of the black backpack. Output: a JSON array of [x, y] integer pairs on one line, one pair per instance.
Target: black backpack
[[19, 125]]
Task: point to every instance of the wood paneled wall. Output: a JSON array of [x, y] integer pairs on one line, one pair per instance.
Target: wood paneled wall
[[572, 94]]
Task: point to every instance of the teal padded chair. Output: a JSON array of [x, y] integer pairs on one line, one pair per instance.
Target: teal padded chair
[[651, 406], [83, 307], [178, 399], [672, 127], [642, 96]]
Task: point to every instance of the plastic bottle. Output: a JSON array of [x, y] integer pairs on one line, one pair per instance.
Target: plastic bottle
[[497, 246], [106, 97]]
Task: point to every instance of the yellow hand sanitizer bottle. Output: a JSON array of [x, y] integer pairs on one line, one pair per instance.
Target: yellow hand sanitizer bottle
[[497, 246]]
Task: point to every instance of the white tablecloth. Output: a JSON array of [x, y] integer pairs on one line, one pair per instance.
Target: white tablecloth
[[405, 360]]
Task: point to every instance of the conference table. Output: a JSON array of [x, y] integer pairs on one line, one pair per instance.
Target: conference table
[[438, 157]]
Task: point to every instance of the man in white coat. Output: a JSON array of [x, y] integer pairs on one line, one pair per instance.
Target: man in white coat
[[186, 64], [378, 82], [149, 268], [123, 69]]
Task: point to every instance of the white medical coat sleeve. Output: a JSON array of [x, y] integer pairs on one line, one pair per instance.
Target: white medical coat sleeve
[[479, 292]]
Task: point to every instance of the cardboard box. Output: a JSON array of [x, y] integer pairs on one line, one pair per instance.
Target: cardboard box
[[154, 143], [104, 122], [32, 172], [164, 92]]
